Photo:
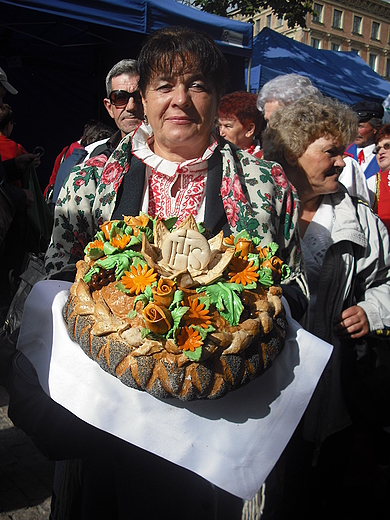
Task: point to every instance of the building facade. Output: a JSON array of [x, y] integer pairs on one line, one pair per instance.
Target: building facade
[[361, 26]]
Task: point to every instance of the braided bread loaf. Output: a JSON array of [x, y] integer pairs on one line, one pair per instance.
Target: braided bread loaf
[[200, 352]]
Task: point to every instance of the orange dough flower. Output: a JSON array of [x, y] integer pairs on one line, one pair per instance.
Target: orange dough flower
[[138, 278], [136, 222], [157, 319], [164, 292], [189, 339], [120, 242], [97, 244], [242, 271], [229, 241], [197, 314]]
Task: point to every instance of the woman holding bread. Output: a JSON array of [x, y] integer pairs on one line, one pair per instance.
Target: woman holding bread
[[174, 164]]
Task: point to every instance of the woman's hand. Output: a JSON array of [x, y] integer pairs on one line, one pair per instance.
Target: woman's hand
[[352, 322]]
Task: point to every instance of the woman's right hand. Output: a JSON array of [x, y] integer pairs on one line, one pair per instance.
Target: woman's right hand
[[352, 323]]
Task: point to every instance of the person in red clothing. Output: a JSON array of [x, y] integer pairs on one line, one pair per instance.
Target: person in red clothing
[[239, 121], [381, 186], [9, 149]]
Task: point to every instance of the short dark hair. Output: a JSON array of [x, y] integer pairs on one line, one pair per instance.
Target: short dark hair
[[6, 116], [169, 47], [95, 131]]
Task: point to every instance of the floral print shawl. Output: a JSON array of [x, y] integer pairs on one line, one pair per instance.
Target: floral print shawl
[[256, 196]]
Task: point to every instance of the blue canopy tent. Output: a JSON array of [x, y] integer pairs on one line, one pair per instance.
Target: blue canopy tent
[[343, 75], [146, 16], [58, 52]]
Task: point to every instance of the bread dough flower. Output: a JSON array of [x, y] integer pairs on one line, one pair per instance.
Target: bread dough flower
[[189, 339], [242, 271], [164, 291], [157, 319], [138, 278], [197, 314]]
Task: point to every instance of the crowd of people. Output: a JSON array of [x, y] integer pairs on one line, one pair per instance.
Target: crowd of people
[[296, 168]]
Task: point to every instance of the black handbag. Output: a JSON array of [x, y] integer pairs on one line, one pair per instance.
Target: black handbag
[[365, 379], [7, 212]]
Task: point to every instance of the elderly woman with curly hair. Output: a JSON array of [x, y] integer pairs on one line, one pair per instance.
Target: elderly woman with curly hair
[[344, 245]]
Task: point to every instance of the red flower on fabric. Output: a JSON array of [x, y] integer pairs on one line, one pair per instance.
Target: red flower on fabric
[[237, 190], [231, 210], [111, 173], [81, 241], [279, 176], [98, 161], [79, 182], [226, 186]]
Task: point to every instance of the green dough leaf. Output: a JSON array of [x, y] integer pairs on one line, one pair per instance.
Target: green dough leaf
[[193, 356], [224, 296]]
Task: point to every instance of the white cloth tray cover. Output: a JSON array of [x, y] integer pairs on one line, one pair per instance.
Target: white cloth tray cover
[[233, 442]]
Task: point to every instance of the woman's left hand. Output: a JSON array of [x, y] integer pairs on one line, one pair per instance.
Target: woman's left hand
[[352, 322]]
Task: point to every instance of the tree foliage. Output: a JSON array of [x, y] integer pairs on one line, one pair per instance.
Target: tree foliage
[[293, 11]]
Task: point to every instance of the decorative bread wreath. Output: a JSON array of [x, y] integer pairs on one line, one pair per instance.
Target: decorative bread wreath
[[167, 311]]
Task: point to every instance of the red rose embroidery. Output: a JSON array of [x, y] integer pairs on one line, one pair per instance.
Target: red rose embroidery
[[111, 173], [279, 176], [98, 161], [231, 210], [226, 185], [237, 190]]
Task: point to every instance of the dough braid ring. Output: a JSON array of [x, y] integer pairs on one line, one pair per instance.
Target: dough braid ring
[[199, 350]]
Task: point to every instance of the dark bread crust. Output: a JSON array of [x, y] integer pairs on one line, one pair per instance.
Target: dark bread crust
[[161, 371]]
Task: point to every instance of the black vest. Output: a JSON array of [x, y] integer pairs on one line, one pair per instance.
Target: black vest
[[130, 193]]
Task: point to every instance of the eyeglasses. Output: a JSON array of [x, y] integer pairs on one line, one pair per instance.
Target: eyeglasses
[[386, 146], [120, 98]]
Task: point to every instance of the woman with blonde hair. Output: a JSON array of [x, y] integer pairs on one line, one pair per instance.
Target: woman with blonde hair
[[346, 252]]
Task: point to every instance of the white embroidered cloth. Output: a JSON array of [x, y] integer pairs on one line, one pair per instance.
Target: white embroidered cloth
[[162, 174], [233, 442]]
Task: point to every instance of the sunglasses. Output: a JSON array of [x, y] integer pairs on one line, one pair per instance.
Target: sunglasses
[[120, 98], [386, 146]]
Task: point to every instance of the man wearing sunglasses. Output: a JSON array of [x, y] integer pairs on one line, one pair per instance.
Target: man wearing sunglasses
[[123, 103]]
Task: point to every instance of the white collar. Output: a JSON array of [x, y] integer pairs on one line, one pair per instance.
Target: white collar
[[143, 136]]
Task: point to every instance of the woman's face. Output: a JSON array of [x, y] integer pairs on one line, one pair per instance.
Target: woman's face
[[383, 155], [270, 107], [322, 163], [181, 109], [234, 131]]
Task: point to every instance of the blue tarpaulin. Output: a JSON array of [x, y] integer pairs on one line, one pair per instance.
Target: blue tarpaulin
[[146, 16], [343, 75], [57, 54]]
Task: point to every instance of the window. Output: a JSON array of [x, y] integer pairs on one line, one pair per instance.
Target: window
[[334, 47], [316, 43], [279, 22], [337, 16], [372, 61], [388, 68], [375, 30], [357, 25], [257, 26], [268, 20], [319, 9]]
